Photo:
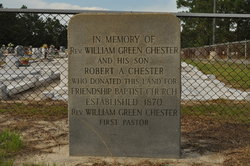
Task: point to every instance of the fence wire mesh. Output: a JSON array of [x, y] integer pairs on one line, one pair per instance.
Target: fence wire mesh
[[215, 74], [216, 68]]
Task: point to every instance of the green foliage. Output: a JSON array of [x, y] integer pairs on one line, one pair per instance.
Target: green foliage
[[10, 143], [8, 23], [220, 109], [32, 29], [236, 75], [227, 29], [6, 162]]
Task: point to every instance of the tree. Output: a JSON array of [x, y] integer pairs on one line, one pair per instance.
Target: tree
[[55, 31], [31, 29], [227, 29], [7, 21]]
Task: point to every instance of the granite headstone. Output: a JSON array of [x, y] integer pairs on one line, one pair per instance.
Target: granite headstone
[[124, 85]]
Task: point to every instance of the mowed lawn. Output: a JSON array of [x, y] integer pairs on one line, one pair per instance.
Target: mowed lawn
[[222, 110], [235, 74]]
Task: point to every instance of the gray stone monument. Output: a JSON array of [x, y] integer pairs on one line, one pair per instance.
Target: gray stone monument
[[3, 49], [2, 57], [62, 49], [19, 51], [52, 50], [36, 53], [124, 85]]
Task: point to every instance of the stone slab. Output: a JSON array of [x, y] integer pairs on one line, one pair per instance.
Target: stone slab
[[124, 85]]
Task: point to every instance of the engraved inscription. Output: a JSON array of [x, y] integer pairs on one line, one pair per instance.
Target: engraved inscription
[[124, 85]]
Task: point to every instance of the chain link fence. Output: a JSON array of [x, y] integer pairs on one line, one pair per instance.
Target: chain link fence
[[215, 76], [225, 51]]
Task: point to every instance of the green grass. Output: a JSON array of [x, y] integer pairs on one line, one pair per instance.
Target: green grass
[[46, 110], [10, 144], [221, 110], [6, 162], [236, 75]]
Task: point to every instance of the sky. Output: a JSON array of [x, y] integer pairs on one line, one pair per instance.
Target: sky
[[113, 5]]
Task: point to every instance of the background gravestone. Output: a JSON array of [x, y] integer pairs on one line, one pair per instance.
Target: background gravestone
[[124, 85]]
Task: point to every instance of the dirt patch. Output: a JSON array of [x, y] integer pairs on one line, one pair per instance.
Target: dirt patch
[[204, 142], [39, 135], [204, 134], [240, 156]]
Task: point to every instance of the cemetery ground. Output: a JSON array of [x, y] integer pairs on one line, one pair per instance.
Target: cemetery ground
[[214, 132], [36, 134], [233, 74]]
